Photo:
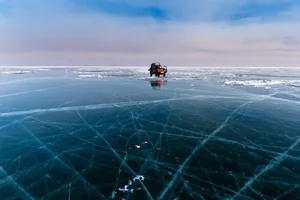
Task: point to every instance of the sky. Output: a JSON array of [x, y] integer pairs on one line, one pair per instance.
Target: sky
[[139, 32]]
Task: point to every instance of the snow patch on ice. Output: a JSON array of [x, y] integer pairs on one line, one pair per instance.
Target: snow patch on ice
[[90, 76], [108, 73], [228, 74], [187, 78], [15, 72], [260, 83]]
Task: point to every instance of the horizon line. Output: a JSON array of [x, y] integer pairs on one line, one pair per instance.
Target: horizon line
[[199, 66]]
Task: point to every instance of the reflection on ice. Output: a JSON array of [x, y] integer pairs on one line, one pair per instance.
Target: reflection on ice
[[156, 84]]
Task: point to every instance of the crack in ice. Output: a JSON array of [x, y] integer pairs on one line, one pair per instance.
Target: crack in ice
[[99, 106], [186, 161], [37, 90], [64, 163], [115, 153], [16, 184], [274, 162]]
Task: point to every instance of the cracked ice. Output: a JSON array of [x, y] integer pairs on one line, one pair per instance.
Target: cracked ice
[[116, 133]]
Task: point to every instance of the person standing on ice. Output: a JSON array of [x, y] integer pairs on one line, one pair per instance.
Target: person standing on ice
[[152, 68]]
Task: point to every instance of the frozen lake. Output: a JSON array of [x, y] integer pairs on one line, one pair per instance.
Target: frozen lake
[[116, 133]]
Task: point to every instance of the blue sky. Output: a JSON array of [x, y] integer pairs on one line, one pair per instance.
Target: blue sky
[[132, 32]]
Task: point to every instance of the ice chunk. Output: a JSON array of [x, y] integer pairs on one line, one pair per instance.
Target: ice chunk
[[139, 177]]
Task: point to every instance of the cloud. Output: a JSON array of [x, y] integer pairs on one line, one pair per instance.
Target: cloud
[[65, 32]]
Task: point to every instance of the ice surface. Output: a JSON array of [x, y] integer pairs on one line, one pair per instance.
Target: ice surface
[[117, 133]]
